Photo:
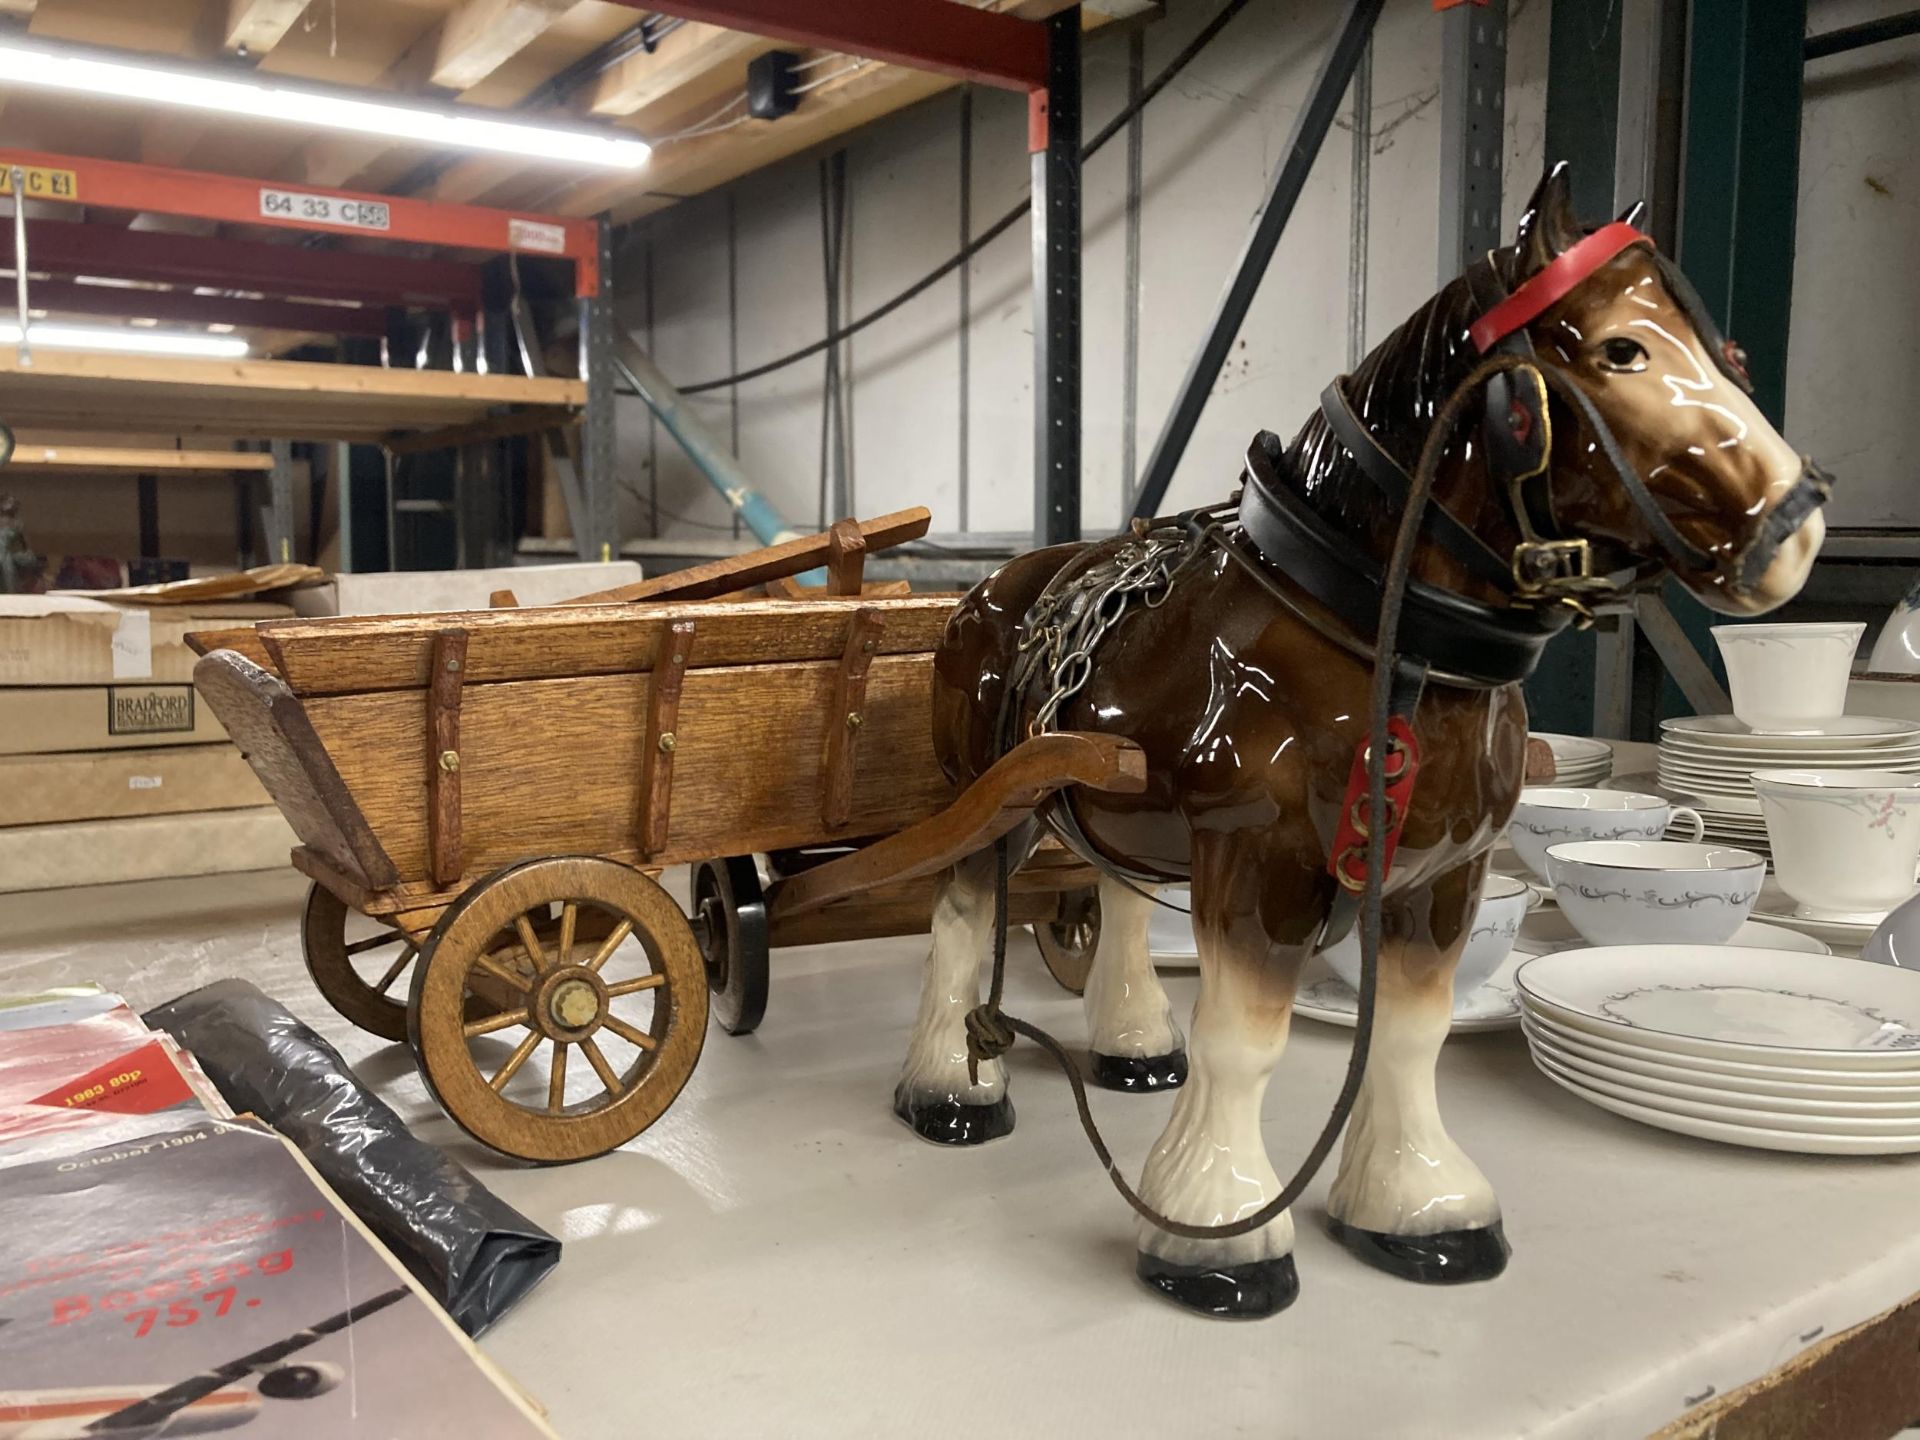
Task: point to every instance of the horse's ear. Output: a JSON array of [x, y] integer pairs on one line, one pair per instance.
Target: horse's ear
[[1547, 225], [1632, 214]]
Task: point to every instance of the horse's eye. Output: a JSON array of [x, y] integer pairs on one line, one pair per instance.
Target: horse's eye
[[1620, 353]]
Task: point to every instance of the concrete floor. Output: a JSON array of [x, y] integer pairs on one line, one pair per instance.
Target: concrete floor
[[778, 1257]]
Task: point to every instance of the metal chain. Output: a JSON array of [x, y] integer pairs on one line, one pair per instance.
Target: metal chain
[[1094, 606]]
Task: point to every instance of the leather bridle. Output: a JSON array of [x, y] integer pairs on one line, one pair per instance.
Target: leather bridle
[[1549, 567]]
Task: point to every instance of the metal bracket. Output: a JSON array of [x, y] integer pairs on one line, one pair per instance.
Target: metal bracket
[[659, 742], [846, 716], [445, 678]]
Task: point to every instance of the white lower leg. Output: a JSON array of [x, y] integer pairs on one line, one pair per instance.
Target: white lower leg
[[1210, 1166], [1400, 1172], [1128, 1014], [936, 1067]]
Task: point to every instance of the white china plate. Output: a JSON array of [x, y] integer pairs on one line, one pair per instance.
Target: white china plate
[[1837, 733], [1575, 750], [1768, 1109], [1325, 997], [1708, 805], [1728, 1076], [1751, 1136], [1759, 1137], [1777, 907], [1701, 747], [1737, 1004], [1552, 931]]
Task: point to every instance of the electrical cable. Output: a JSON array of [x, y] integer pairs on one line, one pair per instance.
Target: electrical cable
[[993, 232]]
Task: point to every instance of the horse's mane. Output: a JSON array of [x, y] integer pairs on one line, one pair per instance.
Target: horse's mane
[[1395, 391]]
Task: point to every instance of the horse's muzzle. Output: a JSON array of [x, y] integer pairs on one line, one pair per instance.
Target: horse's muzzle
[[1808, 494]]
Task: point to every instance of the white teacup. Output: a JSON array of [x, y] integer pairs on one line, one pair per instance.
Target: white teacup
[[1547, 816], [1504, 902], [1788, 679], [1844, 841], [1654, 892]]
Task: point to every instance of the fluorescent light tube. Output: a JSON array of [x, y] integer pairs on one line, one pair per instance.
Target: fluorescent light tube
[[134, 342], [94, 72]]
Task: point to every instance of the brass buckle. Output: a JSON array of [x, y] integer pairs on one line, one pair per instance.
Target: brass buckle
[[1540, 565]]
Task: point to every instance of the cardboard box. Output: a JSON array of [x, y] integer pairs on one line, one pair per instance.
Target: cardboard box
[[35, 721], [416, 592], [70, 640], [144, 847], [103, 784]]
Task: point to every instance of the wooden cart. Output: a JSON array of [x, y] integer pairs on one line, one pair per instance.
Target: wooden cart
[[495, 791]]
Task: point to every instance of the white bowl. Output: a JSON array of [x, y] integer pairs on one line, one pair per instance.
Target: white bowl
[[1547, 815], [1844, 842], [1788, 679], [1655, 892], [1504, 902]]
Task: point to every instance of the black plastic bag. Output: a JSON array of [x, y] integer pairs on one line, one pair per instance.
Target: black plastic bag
[[475, 1253]]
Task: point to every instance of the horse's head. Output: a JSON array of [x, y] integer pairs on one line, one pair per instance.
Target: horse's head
[[1633, 339]]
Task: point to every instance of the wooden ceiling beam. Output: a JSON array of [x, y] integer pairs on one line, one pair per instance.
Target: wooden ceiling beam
[[688, 57], [482, 35], [258, 25]]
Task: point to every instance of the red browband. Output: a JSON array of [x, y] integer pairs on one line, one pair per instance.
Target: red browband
[[1554, 282]]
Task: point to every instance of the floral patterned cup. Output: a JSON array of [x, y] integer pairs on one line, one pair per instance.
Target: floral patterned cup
[[1654, 892], [1548, 815], [1845, 842], [1788, 679]]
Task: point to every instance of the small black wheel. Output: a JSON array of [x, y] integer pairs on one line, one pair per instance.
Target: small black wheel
[[730, 915], [1068, 941]]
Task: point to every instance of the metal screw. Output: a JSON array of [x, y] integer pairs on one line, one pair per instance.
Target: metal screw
[[679, 659], [453, 664], [449, 760], [854, 722], [667, 743], [869, 646]]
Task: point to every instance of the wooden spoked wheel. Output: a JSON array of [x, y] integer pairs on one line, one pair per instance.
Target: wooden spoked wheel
[[358, 964], [592, 1038], [730, 910], [1068, 941]]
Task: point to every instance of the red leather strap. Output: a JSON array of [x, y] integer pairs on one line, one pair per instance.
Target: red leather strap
[[1348, 862], [1554, 281]]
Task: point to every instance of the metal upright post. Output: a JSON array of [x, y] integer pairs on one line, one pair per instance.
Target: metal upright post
[[1473, 109], [601, 537], [1053, 139], [280, 504], [1310, 128]]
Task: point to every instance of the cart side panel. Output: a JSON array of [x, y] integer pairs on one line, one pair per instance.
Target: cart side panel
[[349, 655], [553, 766], [278, 740]]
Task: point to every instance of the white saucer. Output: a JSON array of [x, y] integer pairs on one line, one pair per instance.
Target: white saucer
[[1545, 933], [1776, 907], [1325, 997], [1837, 733]]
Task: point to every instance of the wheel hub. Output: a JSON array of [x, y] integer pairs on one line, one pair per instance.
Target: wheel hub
[[570, 1003]]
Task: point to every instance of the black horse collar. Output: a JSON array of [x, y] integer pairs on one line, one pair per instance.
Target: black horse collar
[[1455, 637]]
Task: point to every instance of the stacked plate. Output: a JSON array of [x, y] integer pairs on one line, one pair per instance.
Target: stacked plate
[[1763, 1048], [1707, 762], [1578, 762]]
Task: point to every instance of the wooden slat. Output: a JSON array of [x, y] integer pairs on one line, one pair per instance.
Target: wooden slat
[[659, 740], [443, 756], [845, 720], [276, 735], [749, 738], [985, 810], [266, 398], [846, 558], [482, 35], [337, 656], [119, 457], [756, 567], [259, 24]]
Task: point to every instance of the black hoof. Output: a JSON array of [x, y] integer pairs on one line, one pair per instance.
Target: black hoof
[[948, 1122], [1139, 1074], [1451, 1257], [1251, 1291]]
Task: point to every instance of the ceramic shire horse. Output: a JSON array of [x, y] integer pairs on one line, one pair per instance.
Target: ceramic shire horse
[[1630, 449]]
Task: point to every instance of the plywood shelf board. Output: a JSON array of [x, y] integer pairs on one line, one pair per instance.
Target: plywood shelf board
[[138, 461], [293, 399]]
